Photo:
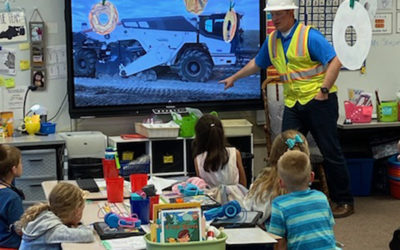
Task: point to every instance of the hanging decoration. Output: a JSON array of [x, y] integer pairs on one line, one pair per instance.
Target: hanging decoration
[[195, 6], [104, 10], [230, 24], [37, 37]]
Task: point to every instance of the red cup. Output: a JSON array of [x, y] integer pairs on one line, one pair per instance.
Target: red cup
[[115, 189], [153, 200], [138, 181], [109, 168]]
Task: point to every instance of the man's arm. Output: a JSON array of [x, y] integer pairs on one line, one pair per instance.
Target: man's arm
[[250, 68], [331, 75]]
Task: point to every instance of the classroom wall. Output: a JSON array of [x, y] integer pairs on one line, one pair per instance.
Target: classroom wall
[[381, 73]]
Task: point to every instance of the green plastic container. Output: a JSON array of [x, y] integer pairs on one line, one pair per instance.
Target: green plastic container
[[187, 125], [388, 111], [218, 244]]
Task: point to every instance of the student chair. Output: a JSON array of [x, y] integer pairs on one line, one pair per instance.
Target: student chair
[[319, 182]]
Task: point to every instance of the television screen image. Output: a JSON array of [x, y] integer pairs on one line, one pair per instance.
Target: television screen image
[[135, 55]]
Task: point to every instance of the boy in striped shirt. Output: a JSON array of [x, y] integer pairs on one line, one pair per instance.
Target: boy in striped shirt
[[302, 217]]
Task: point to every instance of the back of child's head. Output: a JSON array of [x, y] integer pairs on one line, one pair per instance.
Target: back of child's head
[[267, 181], [294, 169], [210, 138], [288, 140], [9, 157], [64, 200]]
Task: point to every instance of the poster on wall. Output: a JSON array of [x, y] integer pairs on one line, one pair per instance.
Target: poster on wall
[[385, 4], [398, 22], [382, 24], [12, 27], [7, 62]]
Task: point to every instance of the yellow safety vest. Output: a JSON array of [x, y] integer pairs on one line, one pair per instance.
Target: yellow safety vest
[[301, 76]]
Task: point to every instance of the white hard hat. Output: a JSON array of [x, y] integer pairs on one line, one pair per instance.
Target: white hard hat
[[273, 5]]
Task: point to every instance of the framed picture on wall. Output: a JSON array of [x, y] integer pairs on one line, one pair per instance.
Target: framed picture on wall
[[38, 78], [36, 29]]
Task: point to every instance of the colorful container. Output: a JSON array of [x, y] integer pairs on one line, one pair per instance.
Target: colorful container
[[394, 176], [217, 244], [387, 111]]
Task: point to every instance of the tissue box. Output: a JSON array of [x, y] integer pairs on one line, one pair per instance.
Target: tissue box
[[161, 130]]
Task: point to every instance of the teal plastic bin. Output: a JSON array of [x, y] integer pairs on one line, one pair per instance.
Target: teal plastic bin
[[218, 244]]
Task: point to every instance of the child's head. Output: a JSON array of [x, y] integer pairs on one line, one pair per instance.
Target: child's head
[[210, 138], [65, 200], [10, 162], [288, 140], [294, 169]]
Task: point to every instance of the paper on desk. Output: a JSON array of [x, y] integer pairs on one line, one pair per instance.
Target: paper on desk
[[161, 183], [129, 243], [247, 236]]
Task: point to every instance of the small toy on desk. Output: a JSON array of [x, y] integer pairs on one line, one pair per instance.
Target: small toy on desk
[[113, 220], [230, 210], [190, 190]]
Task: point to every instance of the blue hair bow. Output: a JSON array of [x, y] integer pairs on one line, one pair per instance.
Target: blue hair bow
[[291, 142]]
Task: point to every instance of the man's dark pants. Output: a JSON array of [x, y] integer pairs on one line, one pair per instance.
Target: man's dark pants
[[320, 119]]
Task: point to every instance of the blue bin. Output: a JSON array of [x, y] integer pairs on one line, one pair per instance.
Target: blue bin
[[47, 128], [360, 171]]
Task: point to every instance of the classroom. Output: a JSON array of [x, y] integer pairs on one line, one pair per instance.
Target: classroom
[[136, 94]]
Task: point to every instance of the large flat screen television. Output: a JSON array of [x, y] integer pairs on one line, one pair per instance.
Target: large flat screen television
[[132, 56]]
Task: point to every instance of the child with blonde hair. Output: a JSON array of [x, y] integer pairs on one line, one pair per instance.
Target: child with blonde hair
[[46, 226], [302, 217], [266, 187], [10, 197], [219, 165]]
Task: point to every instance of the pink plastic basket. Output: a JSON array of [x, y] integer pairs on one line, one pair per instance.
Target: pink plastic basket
[[358, 114]]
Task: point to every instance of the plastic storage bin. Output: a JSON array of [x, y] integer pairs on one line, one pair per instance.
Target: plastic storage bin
[[358, 114], [234, 127], [161, 130], [394, 176], [360, 171], [387, 111], [47, 127], [217, 244]]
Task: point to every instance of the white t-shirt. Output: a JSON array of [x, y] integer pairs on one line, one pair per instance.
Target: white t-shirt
[[228, 175]]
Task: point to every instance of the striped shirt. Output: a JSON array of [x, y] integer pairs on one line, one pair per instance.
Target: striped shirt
[[305, 219]]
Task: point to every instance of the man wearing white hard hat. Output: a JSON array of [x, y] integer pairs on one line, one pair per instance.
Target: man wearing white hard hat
[[308, 67]]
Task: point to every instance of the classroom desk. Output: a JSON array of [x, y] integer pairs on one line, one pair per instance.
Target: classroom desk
[[102, 195]]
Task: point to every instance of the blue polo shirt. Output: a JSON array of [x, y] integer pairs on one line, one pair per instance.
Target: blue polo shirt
[[319, 48], [10, 211]]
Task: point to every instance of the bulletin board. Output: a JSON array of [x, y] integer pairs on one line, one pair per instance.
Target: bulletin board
[[320, 14]]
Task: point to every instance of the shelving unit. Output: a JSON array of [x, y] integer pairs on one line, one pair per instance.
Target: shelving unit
[[172, 156]]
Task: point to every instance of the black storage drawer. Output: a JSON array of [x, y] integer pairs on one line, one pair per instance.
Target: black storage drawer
[[167, 156]]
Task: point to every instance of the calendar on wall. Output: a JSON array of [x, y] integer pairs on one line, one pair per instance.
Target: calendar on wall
[[320, 15]]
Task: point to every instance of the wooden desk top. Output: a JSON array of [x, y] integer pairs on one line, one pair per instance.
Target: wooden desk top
[[102, 195]]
